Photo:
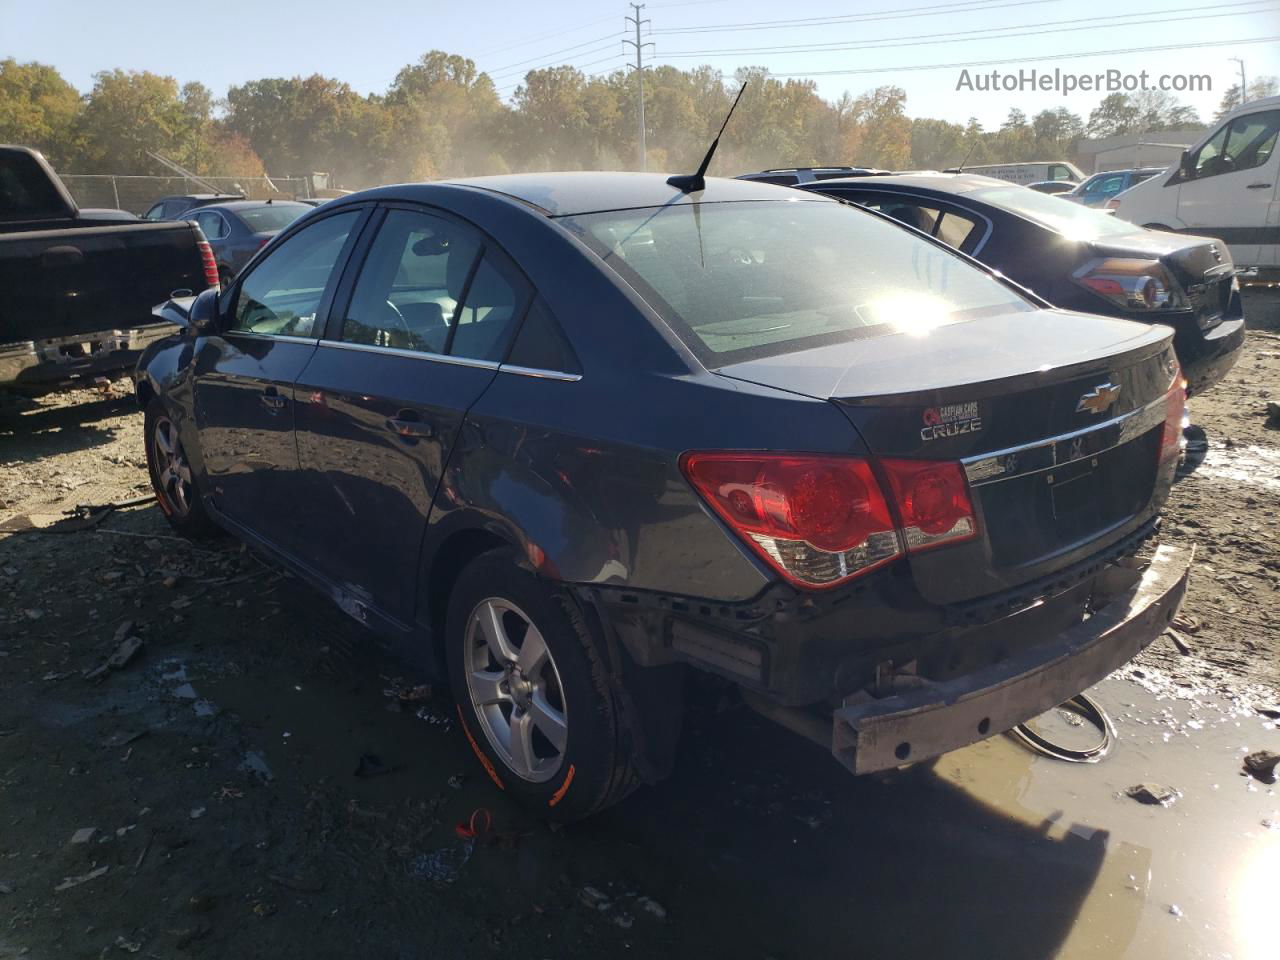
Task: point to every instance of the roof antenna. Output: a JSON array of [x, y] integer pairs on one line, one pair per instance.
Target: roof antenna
[[972, 147], [689, 182]]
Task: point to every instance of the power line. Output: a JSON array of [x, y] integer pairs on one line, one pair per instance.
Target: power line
[[545, 36], [1036, 59], [505, 88], [893, 13], [551, 53], [970, 36]]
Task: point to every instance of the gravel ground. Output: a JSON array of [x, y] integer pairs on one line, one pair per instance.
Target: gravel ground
[[215, 769]]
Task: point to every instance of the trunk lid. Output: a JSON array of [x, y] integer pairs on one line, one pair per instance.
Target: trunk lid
[[1057, 416]]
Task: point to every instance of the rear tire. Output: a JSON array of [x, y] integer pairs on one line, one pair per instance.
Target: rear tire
[[172, 477], [533, 692]]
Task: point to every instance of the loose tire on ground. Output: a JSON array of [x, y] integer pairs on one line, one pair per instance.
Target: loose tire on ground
[[495, 680]]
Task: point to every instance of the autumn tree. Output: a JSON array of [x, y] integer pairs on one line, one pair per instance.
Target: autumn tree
[[38, 108]]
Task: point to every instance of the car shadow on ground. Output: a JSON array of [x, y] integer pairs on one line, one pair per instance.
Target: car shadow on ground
[[30, 432]]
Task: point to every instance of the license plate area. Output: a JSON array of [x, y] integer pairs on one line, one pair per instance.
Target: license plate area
[[1073, 490]]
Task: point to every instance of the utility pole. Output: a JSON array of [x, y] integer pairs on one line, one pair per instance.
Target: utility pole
[[1244, 91], [639, 68]]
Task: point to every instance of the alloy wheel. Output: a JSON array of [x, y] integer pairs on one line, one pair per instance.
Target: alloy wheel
[[515, 689], [173, 473]]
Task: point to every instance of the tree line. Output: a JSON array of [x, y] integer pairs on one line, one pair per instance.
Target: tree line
[[442, 117]]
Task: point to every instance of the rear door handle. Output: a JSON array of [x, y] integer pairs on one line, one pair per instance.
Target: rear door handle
[[1257, 186], [272, 400], [408, 425]]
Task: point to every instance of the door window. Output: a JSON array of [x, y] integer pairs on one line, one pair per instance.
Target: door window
[[428, 286], [1252, 140], [155, 213], [1058, 171], [212, 225], [952, 228], [283, 291], [541, 344]]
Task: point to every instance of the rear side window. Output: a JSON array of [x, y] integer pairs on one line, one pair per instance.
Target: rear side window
[[155, 213], [428, 285], [541, 344], [283, 292], [211, 225], [26, 192], [737, 281], [951, 227]]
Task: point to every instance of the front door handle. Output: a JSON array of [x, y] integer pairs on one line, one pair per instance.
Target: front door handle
[[272, 400], [408, 425], [1258, 186]]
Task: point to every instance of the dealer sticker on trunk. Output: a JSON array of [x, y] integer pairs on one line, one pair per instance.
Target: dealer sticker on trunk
[[950, 420]]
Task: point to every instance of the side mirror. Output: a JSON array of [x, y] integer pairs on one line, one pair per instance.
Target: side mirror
[[1185, 166], [202, 316]]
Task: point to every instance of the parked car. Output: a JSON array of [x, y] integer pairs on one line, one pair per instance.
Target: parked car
[[1025, 173], [1052, 187], [790, 176], [1227, 186], [77, 286], [1102, 188], [463, 411], [1077, 258], [173, 208], [239, 229]]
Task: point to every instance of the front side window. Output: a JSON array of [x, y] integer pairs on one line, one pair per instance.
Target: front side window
[[1059, 172], [1251, 141], [737, 281], [155, 213], [282, 293], [1207, 161]]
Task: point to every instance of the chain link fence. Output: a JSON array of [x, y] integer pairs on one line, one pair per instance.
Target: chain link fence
[[137, 194]]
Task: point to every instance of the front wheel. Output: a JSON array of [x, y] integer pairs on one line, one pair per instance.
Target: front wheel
[[533, 693], [172, 477]]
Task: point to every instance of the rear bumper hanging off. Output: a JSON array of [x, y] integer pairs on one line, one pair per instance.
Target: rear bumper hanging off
[[927, 721]]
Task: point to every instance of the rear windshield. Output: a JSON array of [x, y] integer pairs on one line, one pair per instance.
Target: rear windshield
[[26, 192], [1074, 221], [743, 280], [277, 216]]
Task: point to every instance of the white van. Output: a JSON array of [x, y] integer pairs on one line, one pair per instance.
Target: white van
[[1227, 186], [1025, 173]]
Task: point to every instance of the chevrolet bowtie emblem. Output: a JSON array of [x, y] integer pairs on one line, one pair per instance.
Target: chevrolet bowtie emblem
[[1099, 399]]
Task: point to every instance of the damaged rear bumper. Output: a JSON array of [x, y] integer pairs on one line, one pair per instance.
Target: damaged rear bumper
[[879, 734]]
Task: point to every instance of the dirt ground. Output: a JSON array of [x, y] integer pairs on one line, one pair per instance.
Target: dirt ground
[[203, 800]]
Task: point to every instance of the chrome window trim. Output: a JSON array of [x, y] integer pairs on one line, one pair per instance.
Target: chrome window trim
[[412, 354], [540, 373], [286, 337], [1041, 455]]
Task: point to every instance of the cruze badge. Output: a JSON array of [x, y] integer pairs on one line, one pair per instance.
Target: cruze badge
[[1099, 399], [950, 420]]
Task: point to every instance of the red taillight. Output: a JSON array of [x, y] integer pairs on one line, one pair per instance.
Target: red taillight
[[208, 262], [263, 242], [1175, 408], [933, 501], [818, 521]]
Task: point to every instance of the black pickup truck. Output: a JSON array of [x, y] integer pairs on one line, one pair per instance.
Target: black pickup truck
[[77, 286]]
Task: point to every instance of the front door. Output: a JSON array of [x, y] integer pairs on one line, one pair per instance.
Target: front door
[[381, 402], [1231, 191], [244, 375]]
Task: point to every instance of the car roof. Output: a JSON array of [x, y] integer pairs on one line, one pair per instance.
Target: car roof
[[199, 196], [567, 194], [236, 205], [943, 182]]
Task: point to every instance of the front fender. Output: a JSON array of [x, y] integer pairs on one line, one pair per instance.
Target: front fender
[[164, 371]]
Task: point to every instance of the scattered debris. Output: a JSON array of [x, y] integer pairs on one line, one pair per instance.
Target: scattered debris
[[125, 652], [371, 765], [303, 883], [443, 866], [593, 899], [197, 812], [69, 882], [1273, 412], [5, 889], [122, 738], [206, 708], [456, 781], [1175, 910], [1179, 641], [1187, 622], [128, 946], [185, 692], [255, 764], [623, 920], [1153, 793], [653, 907], [83, 835], [1262, 765], [480, 823]]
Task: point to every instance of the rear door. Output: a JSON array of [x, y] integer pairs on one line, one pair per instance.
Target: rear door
[[413, 341], [244, 373], [1232, 194]]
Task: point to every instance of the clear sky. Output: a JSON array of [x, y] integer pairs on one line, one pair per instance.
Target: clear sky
[[364, 42]]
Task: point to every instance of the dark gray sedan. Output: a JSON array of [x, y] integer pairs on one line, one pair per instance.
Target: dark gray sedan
[[239, 229], [564, 438]]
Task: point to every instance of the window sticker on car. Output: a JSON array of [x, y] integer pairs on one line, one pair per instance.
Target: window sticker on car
[[950, 420]]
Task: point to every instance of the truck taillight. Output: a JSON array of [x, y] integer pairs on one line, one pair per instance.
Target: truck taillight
[[822, 520], [208, 262], [1175, 411]]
